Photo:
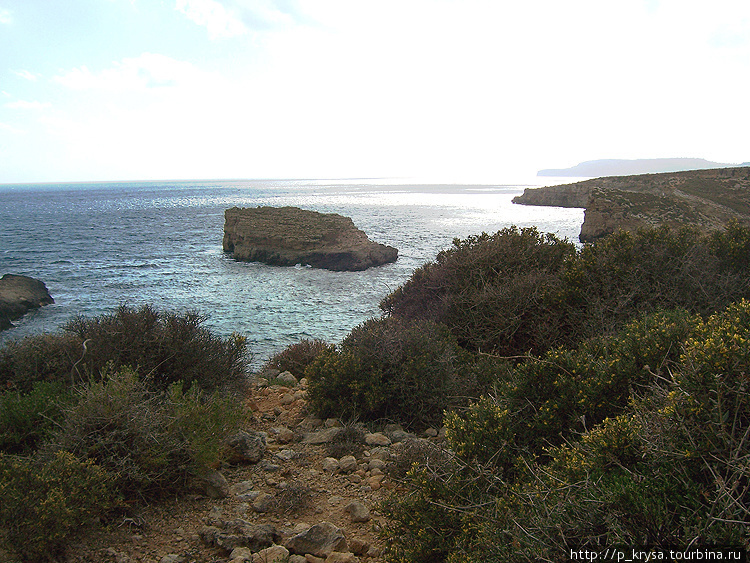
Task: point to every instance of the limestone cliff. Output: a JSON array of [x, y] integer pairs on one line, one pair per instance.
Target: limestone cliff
[[704, 198], [285, 236], [18, 295]]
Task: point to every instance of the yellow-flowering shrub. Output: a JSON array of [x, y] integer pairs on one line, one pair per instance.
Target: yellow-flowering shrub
[[44, 504]]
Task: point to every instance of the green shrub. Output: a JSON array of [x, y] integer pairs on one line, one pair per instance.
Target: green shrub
[[709, 409], [27, 419], [518, 292], [482, 433], [152, 442], [201, 423], [662, 457], [122, 426], [489, 290], [43, 506], [628, 274], [419, 529], [163, 347], [595, 382], [41, 358], [296, 357], [388, 369]]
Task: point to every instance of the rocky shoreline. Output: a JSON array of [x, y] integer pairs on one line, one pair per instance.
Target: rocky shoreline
[[19, 295], [707, 199], [287, 236]]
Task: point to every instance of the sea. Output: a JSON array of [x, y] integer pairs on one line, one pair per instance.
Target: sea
[[100, 245]]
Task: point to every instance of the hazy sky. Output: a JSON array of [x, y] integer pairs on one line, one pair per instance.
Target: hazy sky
[[449, 89]]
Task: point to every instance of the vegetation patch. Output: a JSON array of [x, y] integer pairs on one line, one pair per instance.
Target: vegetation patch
[[103, 414]]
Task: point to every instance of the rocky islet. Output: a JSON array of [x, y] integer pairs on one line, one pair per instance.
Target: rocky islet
[[287, 236], [19, 295]]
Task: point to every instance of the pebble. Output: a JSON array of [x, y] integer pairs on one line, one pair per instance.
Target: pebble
[[287, 399], [357, 511], [263, 502], [286, 455], [377, 439], [287, 378], [347, 464], [331, 465]]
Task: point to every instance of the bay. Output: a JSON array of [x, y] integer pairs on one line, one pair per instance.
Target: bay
[[99, 245]]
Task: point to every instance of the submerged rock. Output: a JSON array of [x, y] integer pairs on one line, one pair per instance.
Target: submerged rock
[[286, 236], [18, 295]]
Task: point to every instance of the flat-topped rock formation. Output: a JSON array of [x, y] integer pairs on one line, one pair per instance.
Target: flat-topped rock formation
[[18, 295], [286, 236], [707, 199]]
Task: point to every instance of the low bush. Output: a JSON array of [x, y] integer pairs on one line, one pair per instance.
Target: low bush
[[518, 292], [44, 505], [292, 499], [637, 439], [489, 290], [26, 420], [201, 422], [41, 358], [152, 442], [349, 441], [548, 400], [388, 369], [296, 357], [162, 347]]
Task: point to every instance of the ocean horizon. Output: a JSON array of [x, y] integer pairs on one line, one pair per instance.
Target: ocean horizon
[[98, 245]]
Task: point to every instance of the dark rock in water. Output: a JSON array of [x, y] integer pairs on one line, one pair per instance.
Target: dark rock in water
[[286, 236], [18, 295]]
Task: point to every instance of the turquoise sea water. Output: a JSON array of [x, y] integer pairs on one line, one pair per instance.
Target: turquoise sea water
[[98, 245]]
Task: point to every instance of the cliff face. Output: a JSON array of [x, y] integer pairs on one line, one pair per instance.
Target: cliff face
[[285, 236], [18, 295], [704, 198]]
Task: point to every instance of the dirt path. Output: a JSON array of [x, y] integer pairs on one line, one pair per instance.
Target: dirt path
[[295, 474]]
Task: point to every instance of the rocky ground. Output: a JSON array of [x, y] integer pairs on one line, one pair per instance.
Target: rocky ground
[[309, 494]]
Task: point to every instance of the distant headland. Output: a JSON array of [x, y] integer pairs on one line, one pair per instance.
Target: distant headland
[[623, 167], [707, 199]]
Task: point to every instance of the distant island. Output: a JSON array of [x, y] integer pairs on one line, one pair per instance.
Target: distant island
[[623, 167], [707, 199]]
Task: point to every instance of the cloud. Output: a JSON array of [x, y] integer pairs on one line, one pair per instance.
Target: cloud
[[147, 71], [231, 18], [9, 128], [28, 75], [5, 16], [220, 21], [21, 104]]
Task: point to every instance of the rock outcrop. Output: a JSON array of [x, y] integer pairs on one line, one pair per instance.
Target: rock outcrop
[[18, 295], [286, 236], [707, 199]]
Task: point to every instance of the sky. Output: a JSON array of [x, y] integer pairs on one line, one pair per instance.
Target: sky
[[452, 90]]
